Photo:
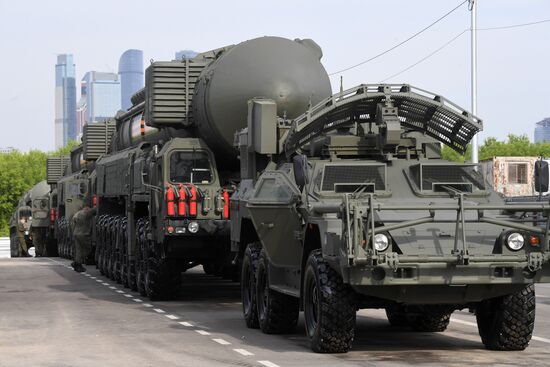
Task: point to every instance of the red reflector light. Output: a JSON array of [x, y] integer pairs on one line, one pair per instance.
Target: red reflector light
[[534, 241], [170, 229]]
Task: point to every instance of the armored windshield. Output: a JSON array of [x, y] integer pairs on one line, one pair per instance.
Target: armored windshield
[[442, 178], [190, 167]]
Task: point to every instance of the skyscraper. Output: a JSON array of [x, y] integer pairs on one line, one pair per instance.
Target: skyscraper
[[187, 54], [130, 69], [542, 131], [101, 96], [65, 100]]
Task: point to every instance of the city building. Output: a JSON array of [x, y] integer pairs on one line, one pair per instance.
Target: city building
[[81, 109], [101, 93], [6, 150], [130, 69], [511, 176], [542, 131], [65, 100], [185, 54]]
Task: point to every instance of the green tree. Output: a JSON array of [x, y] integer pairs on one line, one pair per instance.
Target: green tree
[[19, 172], [514, 146]]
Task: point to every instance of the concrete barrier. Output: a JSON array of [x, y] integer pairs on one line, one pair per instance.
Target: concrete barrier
[[4, 247]]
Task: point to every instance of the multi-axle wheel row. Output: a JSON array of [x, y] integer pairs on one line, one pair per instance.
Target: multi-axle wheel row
[[504, 323], [150, 273], [65, 246]]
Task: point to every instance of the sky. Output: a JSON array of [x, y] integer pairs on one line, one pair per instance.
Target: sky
[[513, 64]]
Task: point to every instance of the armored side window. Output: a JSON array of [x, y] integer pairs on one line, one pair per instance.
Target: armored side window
[[341, 178], [190, 167], [442, 179], [274, 188]]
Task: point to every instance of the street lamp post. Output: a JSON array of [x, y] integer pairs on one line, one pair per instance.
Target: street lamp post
[[473, 31]]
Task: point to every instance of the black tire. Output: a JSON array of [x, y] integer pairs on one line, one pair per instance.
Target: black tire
[[14, 246], [506, 323], [329, 307], [162, 281], [397, 316], [248, 284], [430, 319], [277, 312]]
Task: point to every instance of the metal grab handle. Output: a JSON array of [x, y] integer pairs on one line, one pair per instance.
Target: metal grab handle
[[268, 225]]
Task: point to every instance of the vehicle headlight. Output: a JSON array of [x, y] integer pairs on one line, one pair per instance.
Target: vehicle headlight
[[381, 242], [193, 227], [515, 241]]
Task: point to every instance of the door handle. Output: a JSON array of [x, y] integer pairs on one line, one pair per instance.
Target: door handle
[[268, 225]]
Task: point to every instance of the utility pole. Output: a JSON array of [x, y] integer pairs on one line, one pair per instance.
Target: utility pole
[[472, 6]]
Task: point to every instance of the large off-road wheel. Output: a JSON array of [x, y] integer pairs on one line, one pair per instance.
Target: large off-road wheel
[[430, 319], [329, 307], [162, 281], [277, 312], [506, 323], [248, 284], [14, 246], [397, 316]]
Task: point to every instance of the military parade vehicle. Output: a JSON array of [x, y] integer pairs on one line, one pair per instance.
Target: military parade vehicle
[[41, 225], [163, 189], [22, 211], [351, 206]]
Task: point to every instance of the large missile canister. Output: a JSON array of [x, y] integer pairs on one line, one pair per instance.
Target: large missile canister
[[289, 72]]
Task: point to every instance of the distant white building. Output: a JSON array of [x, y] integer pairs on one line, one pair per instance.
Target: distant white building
[[6, 150], [542, 131], [100, 96]]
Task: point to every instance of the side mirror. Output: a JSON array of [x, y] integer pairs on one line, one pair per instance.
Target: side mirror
[[541, 176], [299, 163]]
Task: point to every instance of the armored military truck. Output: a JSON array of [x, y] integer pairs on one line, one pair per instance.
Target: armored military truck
[[351, 206], [40, 225], [163, 190], [22, 211]]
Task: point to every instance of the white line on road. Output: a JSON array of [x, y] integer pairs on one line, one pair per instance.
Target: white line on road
[[221, 341], [268, 364], [147, 305], [185, 323], [537, 338], [119, 291], [136, 300], [113, 288], [244, 352], [128, 295], [104, 283], [458, 321], [158, 310], [99, 280], [172, 317], [93, 278], [202, 332]]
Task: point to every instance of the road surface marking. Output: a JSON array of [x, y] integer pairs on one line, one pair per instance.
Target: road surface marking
[[105, 283], [268, 364], [136, 300], [537, 338], [458, 321], [128, 295], [221, 341], [119, 291], [185, 323], [93, 278], [158, 310], [113, 288], [99, 280], [88, 275], [202, 332], [172, 317], [147, 305], [244, 352]]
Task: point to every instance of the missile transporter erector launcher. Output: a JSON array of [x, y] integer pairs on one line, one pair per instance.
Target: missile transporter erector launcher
[[351, 206], [163, 189]]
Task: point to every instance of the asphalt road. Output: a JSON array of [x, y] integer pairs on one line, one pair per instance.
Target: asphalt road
[[52, 316]]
